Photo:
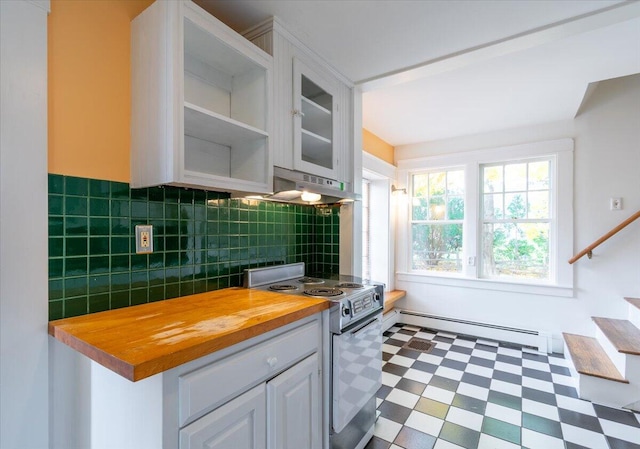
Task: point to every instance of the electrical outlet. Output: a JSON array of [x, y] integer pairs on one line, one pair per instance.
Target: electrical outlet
[[615, 203], [144, 239], [471, 261]]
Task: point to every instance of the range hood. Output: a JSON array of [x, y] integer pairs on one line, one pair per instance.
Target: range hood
[[291, 186]]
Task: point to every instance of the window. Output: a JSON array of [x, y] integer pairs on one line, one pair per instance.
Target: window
[[516, 219], [366, 232], [499, 219], [437, 214], [378, 207]]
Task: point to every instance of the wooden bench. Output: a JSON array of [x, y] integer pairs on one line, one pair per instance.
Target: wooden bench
[[391, 297]]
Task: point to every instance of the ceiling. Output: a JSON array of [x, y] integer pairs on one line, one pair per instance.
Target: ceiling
[[435, 69]]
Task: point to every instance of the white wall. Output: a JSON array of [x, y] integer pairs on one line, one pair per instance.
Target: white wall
[[606, 164], [70, 397], [24, 363]]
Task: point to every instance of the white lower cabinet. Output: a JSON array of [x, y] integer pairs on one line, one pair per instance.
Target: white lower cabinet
[[239, 424], [293, 408], [267, 392], [283, 413], [266, 395]]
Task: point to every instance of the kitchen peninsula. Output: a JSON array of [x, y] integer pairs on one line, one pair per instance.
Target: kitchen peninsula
[[216, 368]]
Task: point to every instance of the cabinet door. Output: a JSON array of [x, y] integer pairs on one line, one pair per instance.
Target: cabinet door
[[294, 404], [316, 122], [239, 424]]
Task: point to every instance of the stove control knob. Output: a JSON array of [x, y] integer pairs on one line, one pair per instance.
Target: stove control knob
[[346, 311]]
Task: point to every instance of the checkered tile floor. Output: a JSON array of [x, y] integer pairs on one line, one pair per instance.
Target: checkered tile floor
[[472, 393]]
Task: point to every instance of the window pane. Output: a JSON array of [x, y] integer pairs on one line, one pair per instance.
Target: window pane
[[420, 209], [493, 179], [516, 250], [420, 185], [515, 177], [516, 205], [455, 182], [539, 175], [438, 198], [436, 208], [437, 183], [539, 204], [493, 208], [510, 248], [455, 208], [437, 247]]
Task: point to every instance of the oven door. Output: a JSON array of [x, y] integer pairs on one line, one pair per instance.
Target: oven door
[[357, 368]]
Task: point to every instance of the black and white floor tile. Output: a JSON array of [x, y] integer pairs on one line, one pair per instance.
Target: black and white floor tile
[[472, 393]]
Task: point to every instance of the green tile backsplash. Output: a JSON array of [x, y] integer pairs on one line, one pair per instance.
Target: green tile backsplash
[[202, 241]]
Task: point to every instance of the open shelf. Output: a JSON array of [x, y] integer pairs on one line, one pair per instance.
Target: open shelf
[[213, 127], [220, 79], [222, 147], [215, 52]]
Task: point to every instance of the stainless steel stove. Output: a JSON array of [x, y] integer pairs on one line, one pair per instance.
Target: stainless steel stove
[[355, 323], [352, 301]]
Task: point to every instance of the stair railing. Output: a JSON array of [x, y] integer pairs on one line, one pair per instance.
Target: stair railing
[[588, 251]]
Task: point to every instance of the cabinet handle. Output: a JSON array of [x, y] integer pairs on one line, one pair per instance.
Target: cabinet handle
[[272, 362], [297, 113]]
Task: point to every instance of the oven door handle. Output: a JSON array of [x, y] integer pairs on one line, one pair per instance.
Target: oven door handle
[[363, 326]]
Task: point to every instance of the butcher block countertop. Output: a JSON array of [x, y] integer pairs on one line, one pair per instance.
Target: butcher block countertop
[[140, 341]]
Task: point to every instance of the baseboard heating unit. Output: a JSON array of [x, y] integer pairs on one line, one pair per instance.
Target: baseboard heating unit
[[538, 340]]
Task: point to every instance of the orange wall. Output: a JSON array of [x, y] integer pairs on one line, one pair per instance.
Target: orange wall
[[89, 87], [374, 145]]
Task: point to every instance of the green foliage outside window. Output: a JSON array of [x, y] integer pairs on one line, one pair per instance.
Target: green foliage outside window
[[437, 214], [515, 237]]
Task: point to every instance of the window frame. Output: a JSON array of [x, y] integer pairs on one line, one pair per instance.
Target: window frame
[[561, 200]]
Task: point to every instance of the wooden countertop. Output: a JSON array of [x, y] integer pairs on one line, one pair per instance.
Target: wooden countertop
[[140, 341]]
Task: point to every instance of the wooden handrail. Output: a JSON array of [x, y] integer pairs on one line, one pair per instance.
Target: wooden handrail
[[588, 250]]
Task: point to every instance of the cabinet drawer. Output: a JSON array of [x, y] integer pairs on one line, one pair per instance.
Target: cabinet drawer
[[209, 387]]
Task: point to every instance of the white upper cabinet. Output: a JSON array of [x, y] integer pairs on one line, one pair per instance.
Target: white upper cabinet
[[201, 98], [315, 122], [313, 107]]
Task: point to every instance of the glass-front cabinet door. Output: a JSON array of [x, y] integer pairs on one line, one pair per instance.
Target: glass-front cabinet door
[[315, 122]]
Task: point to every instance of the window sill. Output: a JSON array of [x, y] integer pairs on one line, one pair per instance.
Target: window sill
[[487, 284]]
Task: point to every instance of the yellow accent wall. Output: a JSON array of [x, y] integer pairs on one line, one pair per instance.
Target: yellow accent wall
[[89, 87], [374, 145]]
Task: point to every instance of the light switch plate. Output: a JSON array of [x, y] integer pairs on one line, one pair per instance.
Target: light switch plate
[[615, 203], [144, 239]]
